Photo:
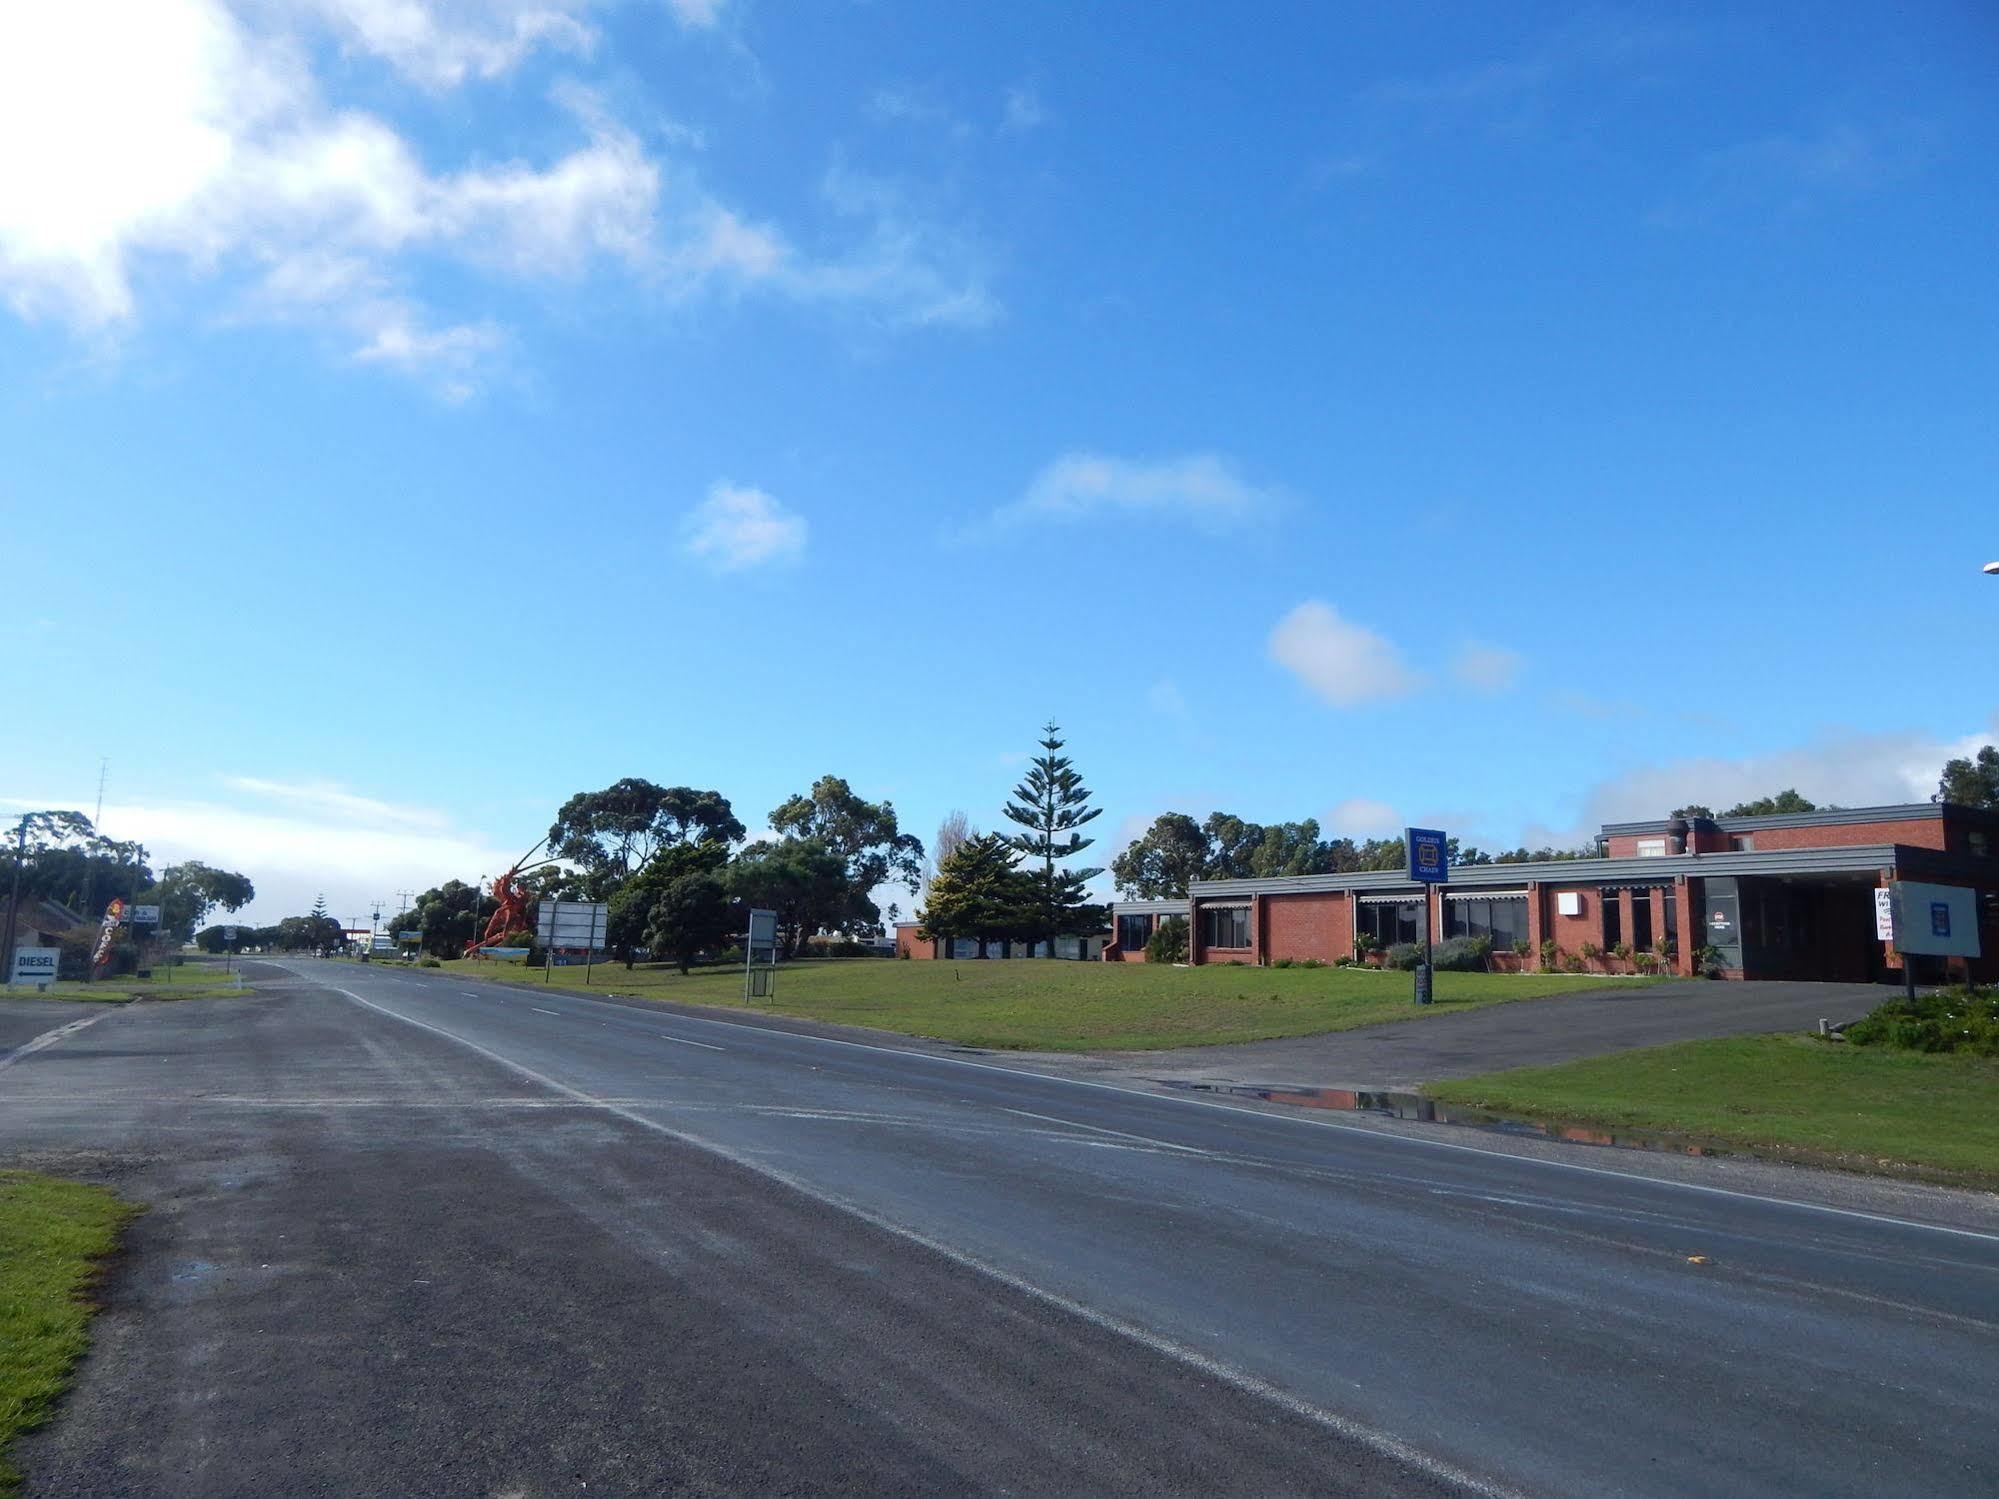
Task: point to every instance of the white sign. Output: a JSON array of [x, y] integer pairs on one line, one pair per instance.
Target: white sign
[[763, 929], [577, 924], [1936, 920], [146, 915], [1884, 913], [36, 965], [229, 934]]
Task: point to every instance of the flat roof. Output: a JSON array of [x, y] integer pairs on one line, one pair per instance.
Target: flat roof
[[1852, 858], [1149, 907], [1825, 817]]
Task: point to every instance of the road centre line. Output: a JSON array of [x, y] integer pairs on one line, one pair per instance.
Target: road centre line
[[1360, 1129]]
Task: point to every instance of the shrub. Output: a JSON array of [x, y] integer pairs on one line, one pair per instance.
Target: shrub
[[1168, 942], [427, 961], [1622, 950], [1573, 963], [1522, 948], [1404, 955], [1646, 961], [1365, 943], [1462, 954], [1956, 1019], [1551, 955], [1707, 961], [1312, 963], [1590, 953], [1281, 963]]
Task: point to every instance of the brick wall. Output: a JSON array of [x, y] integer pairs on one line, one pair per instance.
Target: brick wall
[[1308, 926], [1571, 932], [1922, 832], [909, 945]]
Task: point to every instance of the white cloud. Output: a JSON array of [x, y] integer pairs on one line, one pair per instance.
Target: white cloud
[[1362, 817], [738, 527], [1343, 663], [1850, 770], [1487, 668], [204, 143], [1024, 109], [297, 841], [1202, 487]]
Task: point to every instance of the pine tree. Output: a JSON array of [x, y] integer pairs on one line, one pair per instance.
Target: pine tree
[[981, 891], [1051, 804]]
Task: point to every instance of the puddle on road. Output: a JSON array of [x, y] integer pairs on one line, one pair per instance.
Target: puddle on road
[[1414, 1106]]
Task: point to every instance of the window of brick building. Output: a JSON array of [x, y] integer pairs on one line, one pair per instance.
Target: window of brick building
[[1225, 926]]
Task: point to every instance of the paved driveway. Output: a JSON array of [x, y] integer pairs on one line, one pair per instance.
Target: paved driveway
[[1524, 1034]]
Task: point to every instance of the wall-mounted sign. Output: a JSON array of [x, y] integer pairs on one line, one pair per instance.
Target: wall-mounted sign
[[146, 915], [1884, 913]]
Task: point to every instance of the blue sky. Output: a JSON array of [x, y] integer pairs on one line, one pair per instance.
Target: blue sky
[[1507, 417]]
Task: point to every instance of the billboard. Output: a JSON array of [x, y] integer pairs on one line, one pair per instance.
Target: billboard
[[572, 924], [1939, 921]]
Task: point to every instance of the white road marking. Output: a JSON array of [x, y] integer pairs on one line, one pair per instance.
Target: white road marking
[[1355, 1431], [540, 1011], [49, 1038], [1098, 1128], [1423, 1141], [683, 1041]]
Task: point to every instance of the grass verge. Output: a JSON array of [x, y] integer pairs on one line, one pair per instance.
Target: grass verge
[[53, 1236], [188, 981], [1791, 1097], [1048, 1005]]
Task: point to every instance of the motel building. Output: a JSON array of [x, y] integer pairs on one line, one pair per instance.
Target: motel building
[[1789, 896]]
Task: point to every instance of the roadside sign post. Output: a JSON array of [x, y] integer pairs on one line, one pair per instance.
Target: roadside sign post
[[1429, 857], [1938, 921], [570, 924], [760, 978], [34, 965], [228, 946]]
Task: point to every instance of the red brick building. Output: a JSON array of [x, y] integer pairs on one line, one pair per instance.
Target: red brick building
[[1785, 896]]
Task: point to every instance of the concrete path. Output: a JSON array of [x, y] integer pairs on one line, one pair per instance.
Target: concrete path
[[412, 1238], [1525, 1034]]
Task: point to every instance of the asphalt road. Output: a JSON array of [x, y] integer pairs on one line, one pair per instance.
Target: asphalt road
[[408, 1238]]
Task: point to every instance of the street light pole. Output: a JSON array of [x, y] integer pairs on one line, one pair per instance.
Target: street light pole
[[14, 897]]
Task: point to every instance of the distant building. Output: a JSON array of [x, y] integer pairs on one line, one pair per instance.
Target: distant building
[[1783, 896], [908, 944], [40, 923]]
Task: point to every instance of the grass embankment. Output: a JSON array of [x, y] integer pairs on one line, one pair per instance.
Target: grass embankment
[[1048, 1005], [191, 980], [53, 1234], [1791, 1097]]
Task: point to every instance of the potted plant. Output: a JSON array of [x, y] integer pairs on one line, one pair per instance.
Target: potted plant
[[1591, 953]]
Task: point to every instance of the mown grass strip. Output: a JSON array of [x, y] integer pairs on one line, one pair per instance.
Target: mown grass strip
[[53, 1237], [1790, 1097], [1048, 1005]]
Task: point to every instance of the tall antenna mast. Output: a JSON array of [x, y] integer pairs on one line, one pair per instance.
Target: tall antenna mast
[[103, 769]]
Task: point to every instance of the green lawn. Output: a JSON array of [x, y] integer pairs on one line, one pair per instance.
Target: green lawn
[[1047, 1005], [191, 980], [53, 1234], [1866, 1108]]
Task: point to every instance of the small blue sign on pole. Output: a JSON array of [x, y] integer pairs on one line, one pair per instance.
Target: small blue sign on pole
[[1429, 855], [1939, 918]]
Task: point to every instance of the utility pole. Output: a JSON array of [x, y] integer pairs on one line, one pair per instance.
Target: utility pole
[[14, 897], [90, 868]]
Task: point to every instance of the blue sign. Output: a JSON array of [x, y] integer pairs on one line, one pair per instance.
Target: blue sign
[[1429, 855], [1939, 918]]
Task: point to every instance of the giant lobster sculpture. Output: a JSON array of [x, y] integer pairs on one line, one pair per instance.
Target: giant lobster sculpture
[[511, 915]]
